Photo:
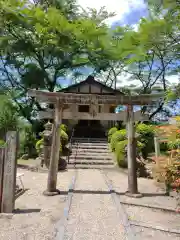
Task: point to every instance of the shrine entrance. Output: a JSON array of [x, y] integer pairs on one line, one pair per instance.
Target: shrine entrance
[[66, 107], [89, 129]]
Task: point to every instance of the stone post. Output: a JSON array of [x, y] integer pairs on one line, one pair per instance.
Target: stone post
[[9, 175], [157, 147], [2, 151]]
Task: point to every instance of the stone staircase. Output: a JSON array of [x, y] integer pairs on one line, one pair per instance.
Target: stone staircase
[[90, 153]]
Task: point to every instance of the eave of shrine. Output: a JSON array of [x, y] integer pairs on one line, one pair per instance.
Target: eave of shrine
[[91, 86]]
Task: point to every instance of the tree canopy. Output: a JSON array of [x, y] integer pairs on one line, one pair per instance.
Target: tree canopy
[[43, 41]]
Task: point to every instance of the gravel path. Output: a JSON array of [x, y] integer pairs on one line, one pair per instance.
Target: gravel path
[[93, 216], [146, 234], [153, 196], [37, 215]]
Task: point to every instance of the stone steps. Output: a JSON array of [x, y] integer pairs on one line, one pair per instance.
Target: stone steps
[[90, 147], [90, 150], [92, 143], [90, 153], [92, 140], [90, 162], [90, 166], [87, 157]]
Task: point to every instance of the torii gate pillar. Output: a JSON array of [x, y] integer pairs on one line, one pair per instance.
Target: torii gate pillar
[[55, 151], [131, 154]]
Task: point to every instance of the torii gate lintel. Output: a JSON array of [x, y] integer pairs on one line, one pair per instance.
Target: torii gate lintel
[[58, 99]]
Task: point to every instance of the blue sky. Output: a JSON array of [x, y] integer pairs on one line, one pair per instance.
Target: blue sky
[[127, 12]]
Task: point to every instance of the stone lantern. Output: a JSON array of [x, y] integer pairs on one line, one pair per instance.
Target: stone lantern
[[47, 139]]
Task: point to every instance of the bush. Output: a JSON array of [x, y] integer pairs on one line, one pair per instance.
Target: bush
[[145, 130], [121, 152], [64, 128], [172, 145], [164, 146], [118, 136], [27, 142], [146, 136], [8, 114], [111, 132], [39, 145], [2, 143], [172, 176], [64, 138]]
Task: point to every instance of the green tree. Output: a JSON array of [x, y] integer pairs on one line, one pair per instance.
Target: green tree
[[9, 118], [41, 45], [146, 56]]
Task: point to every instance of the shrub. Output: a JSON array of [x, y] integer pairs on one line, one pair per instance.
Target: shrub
[[146, 136], [118, 136], [64, 127], [2, 143], [27, 142], [64, 137], [8, 113], [39, 145], [172, 176], [145, 130], [174, 144], [111, 132], [121, 152], [164, 146]]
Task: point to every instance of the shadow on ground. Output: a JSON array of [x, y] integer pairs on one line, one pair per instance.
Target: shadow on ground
[[25, 211], [108, 192], [21, 192]]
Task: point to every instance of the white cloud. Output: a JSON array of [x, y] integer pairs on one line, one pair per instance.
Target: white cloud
[[173, 79], [120, 7]]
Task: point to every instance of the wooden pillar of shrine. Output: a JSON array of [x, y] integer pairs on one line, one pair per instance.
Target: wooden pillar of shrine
[[55, 151]]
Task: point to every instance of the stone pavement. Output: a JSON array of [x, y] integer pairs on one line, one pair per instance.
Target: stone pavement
[[93, 216]]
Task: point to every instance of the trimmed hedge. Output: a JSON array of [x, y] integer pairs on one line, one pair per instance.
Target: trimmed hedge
[[2, 143], [121, 152], [111, 132], [118, 142], [64, 127], [146, 136], [118, 136], [39, 145]]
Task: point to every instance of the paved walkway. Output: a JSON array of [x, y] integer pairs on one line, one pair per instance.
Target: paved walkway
[[93, 213], [93, 216]]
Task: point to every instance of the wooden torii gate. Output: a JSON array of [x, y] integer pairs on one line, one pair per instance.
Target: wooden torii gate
[[59, 99]]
